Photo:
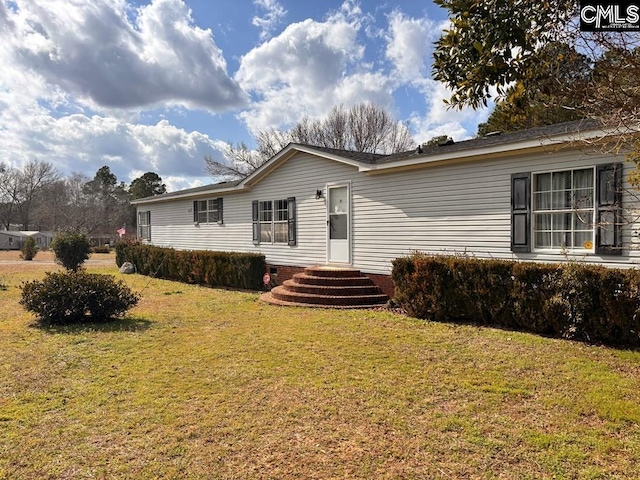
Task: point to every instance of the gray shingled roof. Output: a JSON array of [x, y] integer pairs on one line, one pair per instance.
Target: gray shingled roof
[[204, 189], [493, 140], [362, 157], [497, 139]]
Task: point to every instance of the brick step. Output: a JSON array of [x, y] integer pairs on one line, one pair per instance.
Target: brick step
[[268, 298], [342, 290], [283, 294], [324, 271], [327, 287], [306, 279]]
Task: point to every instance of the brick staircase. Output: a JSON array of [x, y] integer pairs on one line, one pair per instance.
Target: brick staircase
[[327, 287]]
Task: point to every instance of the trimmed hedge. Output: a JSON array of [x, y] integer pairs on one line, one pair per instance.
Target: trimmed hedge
[[213, 269], [581, 302]]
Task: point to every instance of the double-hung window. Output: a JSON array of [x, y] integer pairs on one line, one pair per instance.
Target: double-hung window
[[280, 221], [207, 211], [144, 225], [578, 210], [266, 221], [563, 210], [274, 221]]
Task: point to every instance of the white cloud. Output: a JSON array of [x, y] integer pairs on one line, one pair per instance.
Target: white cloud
[[409, 45], [79, 76], [312, 66], [110, 56], [409, 49], [442, 120], [274, 13], [307, 69], [81, 143]]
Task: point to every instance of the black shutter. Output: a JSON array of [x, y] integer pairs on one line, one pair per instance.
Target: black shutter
[[609, 209], [256, 223], [220, 210], [149, 225], [521, 212], [195, 211], [291, 219]]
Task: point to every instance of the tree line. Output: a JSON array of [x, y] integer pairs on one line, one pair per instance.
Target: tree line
[[36, 196], [541, 68]]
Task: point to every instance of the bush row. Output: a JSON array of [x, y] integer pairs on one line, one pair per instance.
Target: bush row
[[581, 302], [214, 269]]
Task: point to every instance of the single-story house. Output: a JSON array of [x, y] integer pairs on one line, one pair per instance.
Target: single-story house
[[13, 240], [540, 194], [10, 240]]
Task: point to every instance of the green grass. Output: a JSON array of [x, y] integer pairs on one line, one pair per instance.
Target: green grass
[[203, 383]]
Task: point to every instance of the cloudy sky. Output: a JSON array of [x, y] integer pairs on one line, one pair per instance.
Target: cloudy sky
[[157, 85]]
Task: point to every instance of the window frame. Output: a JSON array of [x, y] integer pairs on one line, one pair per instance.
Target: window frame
[[213, 211], [573, 211], [274, 221], [144, 224], [609, 199]]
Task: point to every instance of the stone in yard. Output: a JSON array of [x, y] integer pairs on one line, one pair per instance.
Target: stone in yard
[[127, 267]]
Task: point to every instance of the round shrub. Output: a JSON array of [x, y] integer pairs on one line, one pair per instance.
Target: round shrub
[[71, 249], [77, 297], [28, 249]]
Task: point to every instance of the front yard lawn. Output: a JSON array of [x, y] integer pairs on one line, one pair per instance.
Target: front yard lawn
[[204, 383]]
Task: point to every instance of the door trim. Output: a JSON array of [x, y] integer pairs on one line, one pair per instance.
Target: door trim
[[349, 212]]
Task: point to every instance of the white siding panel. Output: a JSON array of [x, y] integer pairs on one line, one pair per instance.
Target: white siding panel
[[300, 177], [446, 208], [462, 208]]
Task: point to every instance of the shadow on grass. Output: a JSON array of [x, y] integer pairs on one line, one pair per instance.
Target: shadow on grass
[[126, 324]]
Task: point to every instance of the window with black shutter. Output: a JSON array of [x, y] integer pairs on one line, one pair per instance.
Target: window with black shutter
[[291, 207], [207, 211], [568, 210], [609, 209], [256, 222], [274, 221], [521, 212]]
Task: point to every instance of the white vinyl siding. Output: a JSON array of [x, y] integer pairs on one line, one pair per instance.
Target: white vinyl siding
[[456, 208]]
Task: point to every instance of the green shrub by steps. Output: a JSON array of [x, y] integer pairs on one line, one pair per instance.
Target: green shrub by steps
[[76, 297], [582, 302], [213, 269]]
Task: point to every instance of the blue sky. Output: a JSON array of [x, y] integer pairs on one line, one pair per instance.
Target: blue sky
[[155, 86]]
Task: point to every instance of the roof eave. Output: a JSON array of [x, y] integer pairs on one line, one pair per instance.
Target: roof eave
[[496, 150], [286, 154], [187, 195]]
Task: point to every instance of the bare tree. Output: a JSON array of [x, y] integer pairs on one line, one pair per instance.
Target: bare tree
[[34, 177], [21, 189], [241, 161], [68, 205], [364, 127], [9, 195]]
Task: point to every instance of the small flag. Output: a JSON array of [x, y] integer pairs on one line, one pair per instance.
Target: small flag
[[122, 230]]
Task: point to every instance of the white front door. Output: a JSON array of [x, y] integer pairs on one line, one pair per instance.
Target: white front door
[[338, 224]]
